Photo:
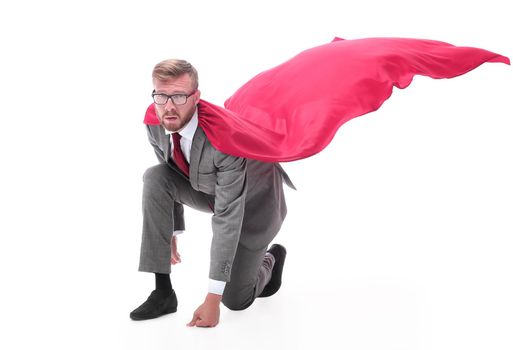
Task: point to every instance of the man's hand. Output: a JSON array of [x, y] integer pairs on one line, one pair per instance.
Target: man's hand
[[175, 256], [207, 314]]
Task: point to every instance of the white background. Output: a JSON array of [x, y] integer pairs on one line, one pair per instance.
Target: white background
[[399, 237]]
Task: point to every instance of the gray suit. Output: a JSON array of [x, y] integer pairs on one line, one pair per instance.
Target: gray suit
[[245, 196]]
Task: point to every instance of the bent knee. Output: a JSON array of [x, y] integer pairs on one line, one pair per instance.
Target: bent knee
[[237, 304], [155, 173]]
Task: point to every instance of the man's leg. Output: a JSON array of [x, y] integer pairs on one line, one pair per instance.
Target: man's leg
[[248, 276], [253, 272], [163, 188]]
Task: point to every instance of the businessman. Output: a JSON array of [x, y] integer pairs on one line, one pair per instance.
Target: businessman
[[244, 196]]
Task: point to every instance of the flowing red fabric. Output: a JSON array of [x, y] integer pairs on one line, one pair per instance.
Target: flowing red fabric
[[293, 110]]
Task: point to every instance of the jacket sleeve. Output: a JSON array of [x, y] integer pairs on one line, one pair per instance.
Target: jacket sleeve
[[158, 151], [178, 218], [230, 196], [179, 221]]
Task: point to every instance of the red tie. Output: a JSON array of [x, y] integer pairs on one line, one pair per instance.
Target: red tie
[[178, 156]]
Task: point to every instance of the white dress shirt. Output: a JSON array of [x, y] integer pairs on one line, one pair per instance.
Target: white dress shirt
[[187, 133]]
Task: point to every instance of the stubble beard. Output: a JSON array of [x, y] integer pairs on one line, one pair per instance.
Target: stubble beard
[[177, 123]]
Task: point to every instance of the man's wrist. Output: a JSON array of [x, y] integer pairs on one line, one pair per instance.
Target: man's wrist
[[213, 298]]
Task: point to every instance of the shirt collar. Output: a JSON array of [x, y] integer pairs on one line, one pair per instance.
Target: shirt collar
[[189, 129]]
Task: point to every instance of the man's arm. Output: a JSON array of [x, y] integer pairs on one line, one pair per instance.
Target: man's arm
[[230, 196], [179, 222], [152, 138]]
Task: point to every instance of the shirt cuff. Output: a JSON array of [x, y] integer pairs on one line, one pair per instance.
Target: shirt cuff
[[178, 232], [216, 287]]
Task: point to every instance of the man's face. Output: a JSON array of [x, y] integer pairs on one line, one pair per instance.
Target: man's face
[[174, 117]]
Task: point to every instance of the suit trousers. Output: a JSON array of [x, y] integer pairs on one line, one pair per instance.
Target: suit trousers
[[163, 188]]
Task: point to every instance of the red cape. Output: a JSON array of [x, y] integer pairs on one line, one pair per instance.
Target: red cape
[[293, 110]]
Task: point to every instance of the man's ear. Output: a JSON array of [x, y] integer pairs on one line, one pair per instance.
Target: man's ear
[[198, 94]]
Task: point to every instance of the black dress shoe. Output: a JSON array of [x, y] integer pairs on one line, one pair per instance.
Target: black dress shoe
[[279, 252], [159, 303]]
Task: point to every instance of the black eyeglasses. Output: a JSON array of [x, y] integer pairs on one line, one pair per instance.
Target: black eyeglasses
[[177, 99]]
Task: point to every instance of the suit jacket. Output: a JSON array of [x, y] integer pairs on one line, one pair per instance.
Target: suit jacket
[[249, 204]]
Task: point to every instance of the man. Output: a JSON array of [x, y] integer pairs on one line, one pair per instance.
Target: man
[[245, 196]]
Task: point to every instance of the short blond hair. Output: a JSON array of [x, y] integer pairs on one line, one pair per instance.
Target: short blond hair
[[174, 68]]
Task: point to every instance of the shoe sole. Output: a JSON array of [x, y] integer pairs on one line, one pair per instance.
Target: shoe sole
[[135, 318]]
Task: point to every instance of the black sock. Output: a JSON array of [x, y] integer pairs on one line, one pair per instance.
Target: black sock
[[163, 282]]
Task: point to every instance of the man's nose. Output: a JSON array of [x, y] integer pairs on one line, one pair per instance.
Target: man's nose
[[169, 106]]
